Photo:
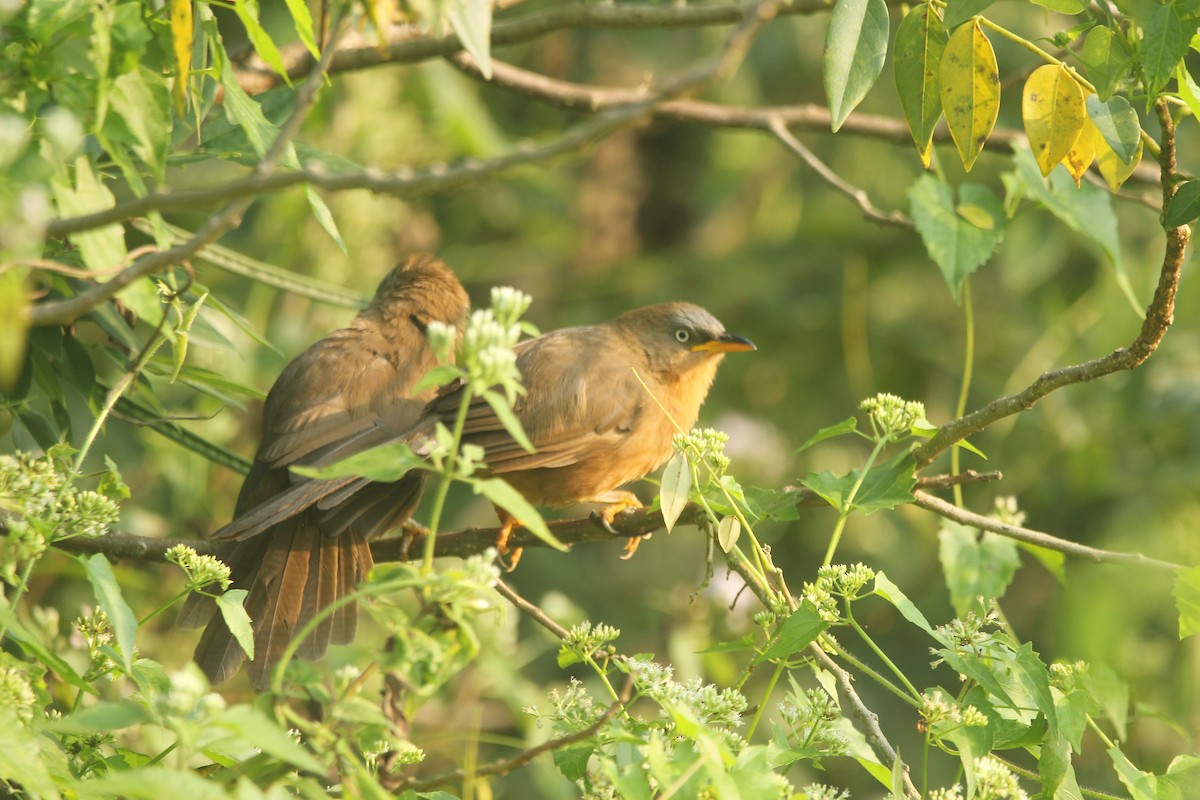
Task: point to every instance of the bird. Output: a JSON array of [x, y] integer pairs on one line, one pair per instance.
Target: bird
[[601, 407], [350, 380]]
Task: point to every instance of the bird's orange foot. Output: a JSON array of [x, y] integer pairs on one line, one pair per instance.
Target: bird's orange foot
[[631, 547], [502, 538], [619, 503]]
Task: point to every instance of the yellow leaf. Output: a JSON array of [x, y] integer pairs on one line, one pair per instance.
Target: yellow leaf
[[1114, 170], [1053, 111], [977, 215], [1083, 152], [970, 90], [183, 34]]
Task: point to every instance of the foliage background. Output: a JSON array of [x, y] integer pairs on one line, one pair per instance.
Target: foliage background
[[839, 307]]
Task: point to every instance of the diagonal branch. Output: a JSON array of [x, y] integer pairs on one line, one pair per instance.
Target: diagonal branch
[[1159, 315], [952, 512]]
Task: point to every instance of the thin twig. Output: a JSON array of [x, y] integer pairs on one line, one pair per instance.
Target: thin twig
[[530, 610], [953, 512], [507, 765], [859, 196], [1159, 316]]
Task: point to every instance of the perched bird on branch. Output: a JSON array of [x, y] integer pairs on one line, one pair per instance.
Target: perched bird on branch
[[356, 378]]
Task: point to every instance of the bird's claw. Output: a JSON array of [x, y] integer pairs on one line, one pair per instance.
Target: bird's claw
[[604, 521]]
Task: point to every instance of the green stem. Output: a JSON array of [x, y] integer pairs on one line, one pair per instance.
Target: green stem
[[1096, 729], [881, 655], [829, 644], [164, 607], [968, 369], [1033, 48], [848, 503], [445, 479], [763, 703]]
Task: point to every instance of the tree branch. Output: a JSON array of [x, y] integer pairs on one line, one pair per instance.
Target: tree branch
[[59, 312], [1159, 315], [953, 512]]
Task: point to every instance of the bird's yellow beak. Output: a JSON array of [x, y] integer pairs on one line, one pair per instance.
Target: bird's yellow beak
[[725, 343]]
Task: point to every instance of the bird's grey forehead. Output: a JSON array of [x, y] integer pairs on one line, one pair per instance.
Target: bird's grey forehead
[[694, 317]]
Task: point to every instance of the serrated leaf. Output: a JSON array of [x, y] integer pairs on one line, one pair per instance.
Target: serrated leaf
[[848, 425], [675, 489], [231, 604], [302, 19], [1107, 59], [1141, 785], [728, 532], [957, 246], [970, 82], [1053, 111], [794, 633], [887, 485], [855, 49], [506, 497], [1187, 601], [1164, 41], [959, 11], [1118, 123], [976, 564], [1185, 205], [920, 41], [1082, 153], [572, 761], [247, 12], [183, 34], [109, 597], [1114, 170], [385, 463], [472, 21]]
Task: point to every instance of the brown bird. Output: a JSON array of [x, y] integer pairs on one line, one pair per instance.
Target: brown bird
[[354, 379], [602, 405]]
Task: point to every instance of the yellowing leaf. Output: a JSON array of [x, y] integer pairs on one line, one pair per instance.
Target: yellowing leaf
[[977, 215], [1082, 153], [920, 42], [970, 90], [1053, 111], [1115, 171], [183, 33]]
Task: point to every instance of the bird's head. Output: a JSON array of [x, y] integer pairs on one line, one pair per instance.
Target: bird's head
[[424, 288], [680, 337]]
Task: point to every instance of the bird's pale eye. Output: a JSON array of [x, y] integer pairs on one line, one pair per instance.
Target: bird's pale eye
[[682, 335]]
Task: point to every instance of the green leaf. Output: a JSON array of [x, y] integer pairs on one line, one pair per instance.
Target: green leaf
[[891, 592], [1189, 92], [1141, 785], [956, 245], [975, 565], [102, 248], [1187, 600], [440, 375], [1055, 770], [736, 646], [101, 718], [1086, 209], [794, 633], [231, 604], [472, 21], [572, 761], [1107, 59], [1053, 560], [506, 497], [970, 83], [1071, 7], [1164, 41], [324, 217], [1071, 711], [108, 595], [855, 48], [1185, 205], [887, 485], [253, 727], [508, 419], [32, 646], [303, 21], [959, 11], [247, 12], [848, 425], [1118, 124], [22, 760], [385, 463], [674, 489], [244, 114], [728, 532], [142, 104], [916, 64]]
